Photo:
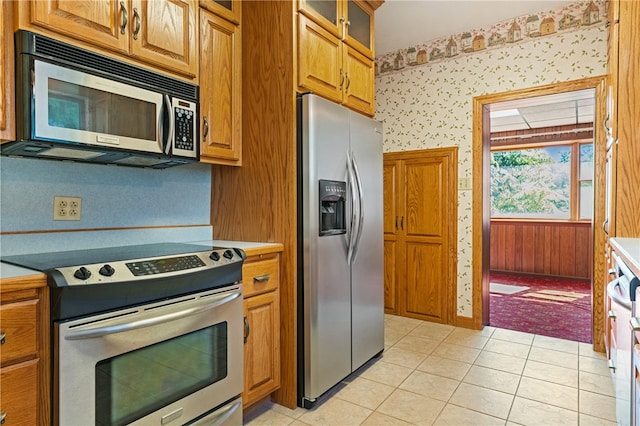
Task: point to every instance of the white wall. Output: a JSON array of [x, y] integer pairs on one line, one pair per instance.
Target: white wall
[[430, 106]]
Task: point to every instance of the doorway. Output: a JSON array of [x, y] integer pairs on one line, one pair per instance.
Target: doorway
[[481, 198]]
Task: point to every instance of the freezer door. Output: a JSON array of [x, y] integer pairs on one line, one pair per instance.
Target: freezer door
[[326, 286], [367, 270]]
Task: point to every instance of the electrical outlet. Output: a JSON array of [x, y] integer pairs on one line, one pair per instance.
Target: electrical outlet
[[464, 183], [67, 208]]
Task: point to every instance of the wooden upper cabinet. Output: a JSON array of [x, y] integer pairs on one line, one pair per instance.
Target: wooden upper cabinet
[[227, 9], [7, 85], [160, 32], [348, 20], [220, 90], [360, 27], [359, 74], [319, 60], [101, 23], [164, 33], [335, 60]]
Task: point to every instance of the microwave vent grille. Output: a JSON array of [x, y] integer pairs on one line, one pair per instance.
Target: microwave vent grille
[[96, 63]]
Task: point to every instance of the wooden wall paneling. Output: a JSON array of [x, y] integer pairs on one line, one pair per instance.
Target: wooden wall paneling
[[560, 249], [267, 180], [528, 248]]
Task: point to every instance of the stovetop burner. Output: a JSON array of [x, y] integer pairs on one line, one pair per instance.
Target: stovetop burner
[[86, 282]]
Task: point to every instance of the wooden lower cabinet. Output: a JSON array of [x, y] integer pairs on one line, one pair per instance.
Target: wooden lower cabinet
[[420, 231], [19, 393], [261, 276], [24, 354]]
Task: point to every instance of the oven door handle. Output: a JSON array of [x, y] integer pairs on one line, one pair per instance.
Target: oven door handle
[[121, 324]]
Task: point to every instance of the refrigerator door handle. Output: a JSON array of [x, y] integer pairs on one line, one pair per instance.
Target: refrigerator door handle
[[360, 210], [352, 221]]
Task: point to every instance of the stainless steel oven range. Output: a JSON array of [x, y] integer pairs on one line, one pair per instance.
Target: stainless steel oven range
[[148, 334]]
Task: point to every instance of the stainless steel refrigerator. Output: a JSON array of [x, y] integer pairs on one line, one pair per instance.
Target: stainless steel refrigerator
[[340, 244]]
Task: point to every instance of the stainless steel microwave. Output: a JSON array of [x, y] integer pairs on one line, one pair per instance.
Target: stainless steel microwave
[[73, 104]]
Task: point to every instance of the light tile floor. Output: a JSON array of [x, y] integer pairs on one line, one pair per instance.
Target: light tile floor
[[434, 374]]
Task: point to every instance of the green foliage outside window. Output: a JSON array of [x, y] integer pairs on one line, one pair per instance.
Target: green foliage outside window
[[532, 183]]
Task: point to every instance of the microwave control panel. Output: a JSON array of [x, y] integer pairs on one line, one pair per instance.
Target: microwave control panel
[[184, 141]]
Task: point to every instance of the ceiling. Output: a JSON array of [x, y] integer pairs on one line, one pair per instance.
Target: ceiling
[[563, 109], [402, 23]]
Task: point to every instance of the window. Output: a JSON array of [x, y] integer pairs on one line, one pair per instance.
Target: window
[[543, 182]]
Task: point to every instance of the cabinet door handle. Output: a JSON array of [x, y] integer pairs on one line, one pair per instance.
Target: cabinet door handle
[[343, 21], [402, 223], [396, 222], [136, 28], [3, 417], [348, 82], [341, 78], [606, 128], [125, 18], [3, 336], [247, 329], [205, 130], [262, 278]]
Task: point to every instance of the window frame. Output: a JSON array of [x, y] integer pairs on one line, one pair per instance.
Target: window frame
[[574, 179]]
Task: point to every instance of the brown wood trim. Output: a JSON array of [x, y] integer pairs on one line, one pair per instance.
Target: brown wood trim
[[542, 135], [542, 221], [36, 280], [125, 228], [262, 251], [467, 322], [481, 103], [44, 353]]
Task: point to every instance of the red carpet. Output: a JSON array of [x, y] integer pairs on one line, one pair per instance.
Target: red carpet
[[554, 307]]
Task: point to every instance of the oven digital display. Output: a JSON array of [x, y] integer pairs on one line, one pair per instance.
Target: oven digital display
[[159, 266], [134, 384]]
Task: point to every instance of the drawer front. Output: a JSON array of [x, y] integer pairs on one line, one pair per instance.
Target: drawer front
[[20, 393], [260, 276], [18, 323]]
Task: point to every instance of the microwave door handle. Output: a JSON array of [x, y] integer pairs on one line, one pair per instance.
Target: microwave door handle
[[171, 117]]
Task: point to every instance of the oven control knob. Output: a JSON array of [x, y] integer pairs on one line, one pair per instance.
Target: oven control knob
[[107, 270], [215, 256], [228, 254], [82, 273]]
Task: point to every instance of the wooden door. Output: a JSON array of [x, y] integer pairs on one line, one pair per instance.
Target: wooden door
[[390, 185], [220, 91], [425, 226], [164, 33], [100, 23]]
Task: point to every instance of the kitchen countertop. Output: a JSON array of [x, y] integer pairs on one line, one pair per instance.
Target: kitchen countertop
[[629, 250], [9, 271]]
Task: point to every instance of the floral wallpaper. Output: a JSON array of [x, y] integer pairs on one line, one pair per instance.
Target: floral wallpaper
[[430, 105]]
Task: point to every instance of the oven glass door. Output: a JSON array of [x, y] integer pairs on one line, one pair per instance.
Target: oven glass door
[[137, 383], [163, 363], [78, 107]]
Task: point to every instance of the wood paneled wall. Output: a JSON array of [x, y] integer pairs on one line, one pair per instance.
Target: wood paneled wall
[[546, 248]]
